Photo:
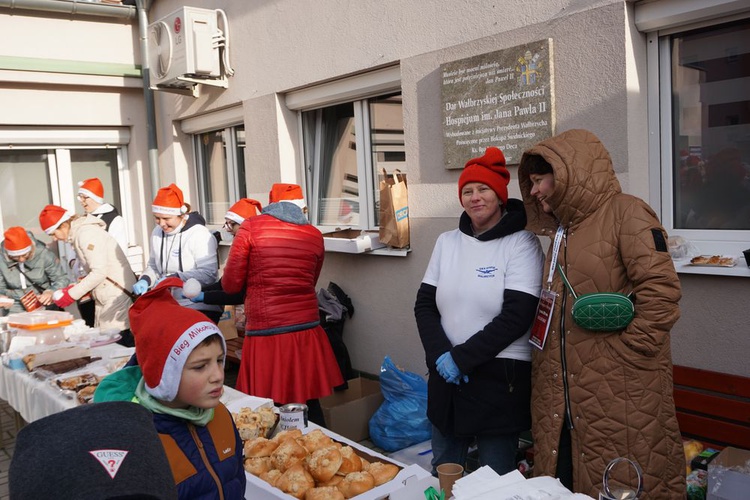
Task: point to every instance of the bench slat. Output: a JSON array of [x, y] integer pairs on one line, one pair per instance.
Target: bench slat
[[723, 407], [714, 431], [712, 381]]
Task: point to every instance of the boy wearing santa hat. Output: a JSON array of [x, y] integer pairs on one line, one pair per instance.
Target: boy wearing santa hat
[[181, 246], [180, 379]]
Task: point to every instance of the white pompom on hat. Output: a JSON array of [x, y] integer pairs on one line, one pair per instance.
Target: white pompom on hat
[[92, 188], [165, 335], [169, 201]]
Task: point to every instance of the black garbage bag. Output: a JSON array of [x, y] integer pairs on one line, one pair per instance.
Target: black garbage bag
[[334, 306]]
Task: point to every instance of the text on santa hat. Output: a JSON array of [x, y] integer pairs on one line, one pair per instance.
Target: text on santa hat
[[191, 335]]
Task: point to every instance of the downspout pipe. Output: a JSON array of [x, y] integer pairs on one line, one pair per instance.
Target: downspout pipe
[[148, 97], [73, 7]]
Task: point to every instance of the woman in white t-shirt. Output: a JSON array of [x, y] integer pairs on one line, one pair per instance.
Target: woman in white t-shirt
[[474, 312]]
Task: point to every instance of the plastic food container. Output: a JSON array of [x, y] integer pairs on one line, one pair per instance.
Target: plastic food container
[[45, 326]]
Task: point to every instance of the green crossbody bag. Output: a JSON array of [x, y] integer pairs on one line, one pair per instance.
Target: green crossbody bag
[[602, 311]]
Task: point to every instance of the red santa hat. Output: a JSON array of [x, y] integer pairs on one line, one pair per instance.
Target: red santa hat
[[243, 209], [52, 216], [287, 192], [169, 201], [17, 242], [488, 169], [92, 188], [165, 335]]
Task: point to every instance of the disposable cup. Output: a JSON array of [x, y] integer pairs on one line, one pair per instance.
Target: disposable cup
[[448, 474]]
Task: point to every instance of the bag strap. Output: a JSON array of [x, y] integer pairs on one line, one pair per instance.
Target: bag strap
[[126, 292], [567, 283], [32, 282]]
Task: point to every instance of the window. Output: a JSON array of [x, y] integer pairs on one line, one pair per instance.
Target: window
[[710, 73], [346, 146], [699, 103], [220, 156]]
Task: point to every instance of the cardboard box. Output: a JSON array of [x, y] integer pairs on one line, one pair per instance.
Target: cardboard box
[[351, 241], [257, 489], [348, 412], [729, 475], [228, 323]]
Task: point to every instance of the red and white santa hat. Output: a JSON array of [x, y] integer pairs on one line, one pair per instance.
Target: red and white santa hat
[[92, 188], [52, 216], [287, 192], [169, 201], [165, 335], [243, 209], [17, 242]]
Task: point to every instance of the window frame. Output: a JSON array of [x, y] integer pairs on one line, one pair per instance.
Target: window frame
[[660, 122]]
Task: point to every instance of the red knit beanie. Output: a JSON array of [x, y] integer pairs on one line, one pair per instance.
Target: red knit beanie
[[92, 188], [17, 242], [243, 209], [165, 335], [488, 169]]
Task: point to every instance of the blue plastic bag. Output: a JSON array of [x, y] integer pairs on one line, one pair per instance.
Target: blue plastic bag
[[401, 420]]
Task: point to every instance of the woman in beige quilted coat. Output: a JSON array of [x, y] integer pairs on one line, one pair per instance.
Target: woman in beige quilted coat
[[597, 396]]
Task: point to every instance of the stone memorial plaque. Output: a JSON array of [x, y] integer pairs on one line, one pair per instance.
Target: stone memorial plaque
[[502, 98]]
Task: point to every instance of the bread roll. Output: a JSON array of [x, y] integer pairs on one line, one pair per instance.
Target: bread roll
[[382, 472], [324, 463], [260, 447], [315, 440], [351, 461], [258, 465], [295, 481], [356, 483], [289, 434], [288, 453], [271, 476], [324, 493]]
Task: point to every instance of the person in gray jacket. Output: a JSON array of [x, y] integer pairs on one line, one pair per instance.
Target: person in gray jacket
[[26, 264]]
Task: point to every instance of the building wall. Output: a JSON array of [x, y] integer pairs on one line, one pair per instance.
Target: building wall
[[600, 84]]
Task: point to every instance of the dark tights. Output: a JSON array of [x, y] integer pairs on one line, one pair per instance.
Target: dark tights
[[565, 459]]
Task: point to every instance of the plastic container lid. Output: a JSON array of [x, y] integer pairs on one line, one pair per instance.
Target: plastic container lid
[[40, 320]]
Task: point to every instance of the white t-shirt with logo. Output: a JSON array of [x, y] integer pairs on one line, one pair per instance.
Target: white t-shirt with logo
[[471, 277]]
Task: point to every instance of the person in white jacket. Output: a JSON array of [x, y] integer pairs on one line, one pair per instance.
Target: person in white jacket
[[91, 197], [182, 246], [109, 276]]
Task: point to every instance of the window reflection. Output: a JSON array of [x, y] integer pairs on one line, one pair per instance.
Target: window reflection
[[711, 103]]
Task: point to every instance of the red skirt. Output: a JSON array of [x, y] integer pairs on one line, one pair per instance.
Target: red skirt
[[289, 367]]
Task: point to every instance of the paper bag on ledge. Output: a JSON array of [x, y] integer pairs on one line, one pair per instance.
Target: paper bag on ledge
[[394, 209]]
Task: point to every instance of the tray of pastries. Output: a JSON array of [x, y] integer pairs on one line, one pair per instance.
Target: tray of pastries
[[314, 466], [713, 261]]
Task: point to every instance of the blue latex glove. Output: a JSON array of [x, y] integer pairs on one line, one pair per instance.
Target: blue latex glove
[[448, 369], [197, 298], [140, 287]]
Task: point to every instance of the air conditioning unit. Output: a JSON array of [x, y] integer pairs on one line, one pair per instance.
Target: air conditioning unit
[[183, 49]]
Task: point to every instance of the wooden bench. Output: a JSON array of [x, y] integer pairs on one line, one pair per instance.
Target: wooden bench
[[712, 407]]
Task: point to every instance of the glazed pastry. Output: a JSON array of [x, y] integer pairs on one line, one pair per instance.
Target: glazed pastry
[[315, 440], [271, 476]]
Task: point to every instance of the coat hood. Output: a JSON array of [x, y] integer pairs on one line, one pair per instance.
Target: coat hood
[[584, 180]]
